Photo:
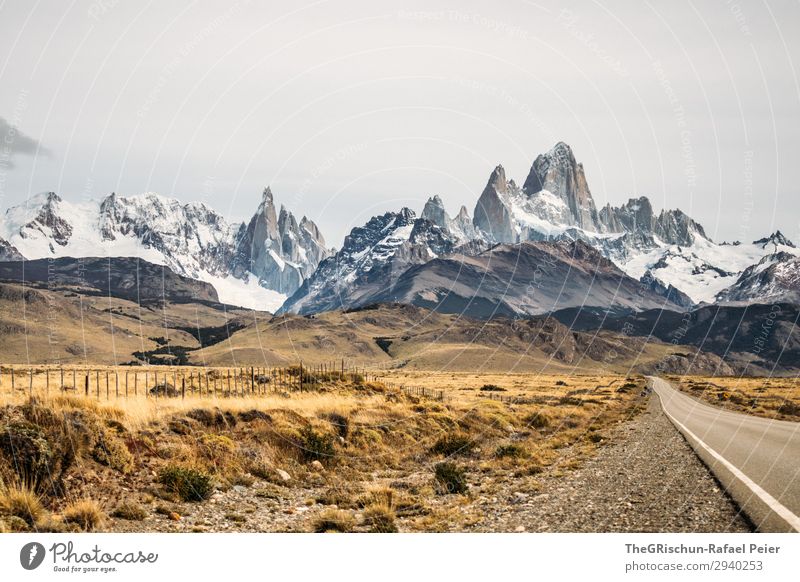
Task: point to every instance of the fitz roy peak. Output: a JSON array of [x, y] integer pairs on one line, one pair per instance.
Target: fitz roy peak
[[252, 265], [666, 255]]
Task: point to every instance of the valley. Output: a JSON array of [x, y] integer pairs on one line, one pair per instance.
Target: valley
[[529, 453]]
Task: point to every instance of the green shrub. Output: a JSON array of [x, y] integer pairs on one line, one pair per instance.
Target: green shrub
[[450, 478], [492, 388], [570, 401], [453, 444], [316, 446], [112, 452], [187, 483], [129, 511], [513, 451], [340, 423], [537, 419]]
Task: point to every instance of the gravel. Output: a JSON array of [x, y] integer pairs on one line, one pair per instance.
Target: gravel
[[647, 479]]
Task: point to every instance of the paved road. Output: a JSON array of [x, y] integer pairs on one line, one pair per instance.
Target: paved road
[[757, 460]]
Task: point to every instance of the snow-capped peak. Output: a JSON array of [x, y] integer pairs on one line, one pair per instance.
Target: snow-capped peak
[[191, 238], [776, 239]]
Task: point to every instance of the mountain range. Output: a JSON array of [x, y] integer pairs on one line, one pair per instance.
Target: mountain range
[[527, 250], [254, 264]]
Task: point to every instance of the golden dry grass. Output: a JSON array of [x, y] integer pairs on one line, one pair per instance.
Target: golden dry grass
[[368, 428], [775, 397]]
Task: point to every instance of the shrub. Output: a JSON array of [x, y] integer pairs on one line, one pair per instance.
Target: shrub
[[340, 423], [513, 451], [13, 524], [450, 478], [21, 502], [452, 444], [316, 446], [537, 419], [129, 511], [379, 518], [85, 513], [187, 483], [212, 418], [570, 401], [492, 388], [789, 408], [333, 520], [112, 452], [220, 451]]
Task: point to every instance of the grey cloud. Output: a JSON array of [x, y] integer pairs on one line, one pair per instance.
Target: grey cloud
[[14, 142]]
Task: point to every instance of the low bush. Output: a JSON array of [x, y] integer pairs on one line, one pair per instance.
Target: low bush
[[453, 444], [220, 452], [789, 408], [450, 478], [316, 446], [111, 451], [130, 511], [380, 518], [537, 419], [21, 502], [332, 521], [512, 450], [186, 482], [492, 388], [340, 422], [85, 513]]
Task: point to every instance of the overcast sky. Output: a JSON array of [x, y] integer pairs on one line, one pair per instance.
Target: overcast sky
[[351, 108]]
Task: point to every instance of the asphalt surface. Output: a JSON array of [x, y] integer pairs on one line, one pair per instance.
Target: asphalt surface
[[756, 460]]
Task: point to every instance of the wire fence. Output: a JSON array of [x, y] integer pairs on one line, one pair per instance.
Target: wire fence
[[182, 382]]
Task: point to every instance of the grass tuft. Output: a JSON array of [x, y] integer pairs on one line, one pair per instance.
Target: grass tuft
[[85, 513]]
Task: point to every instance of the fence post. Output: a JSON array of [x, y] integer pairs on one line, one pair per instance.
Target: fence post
[[183, 388], [86, 384]]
